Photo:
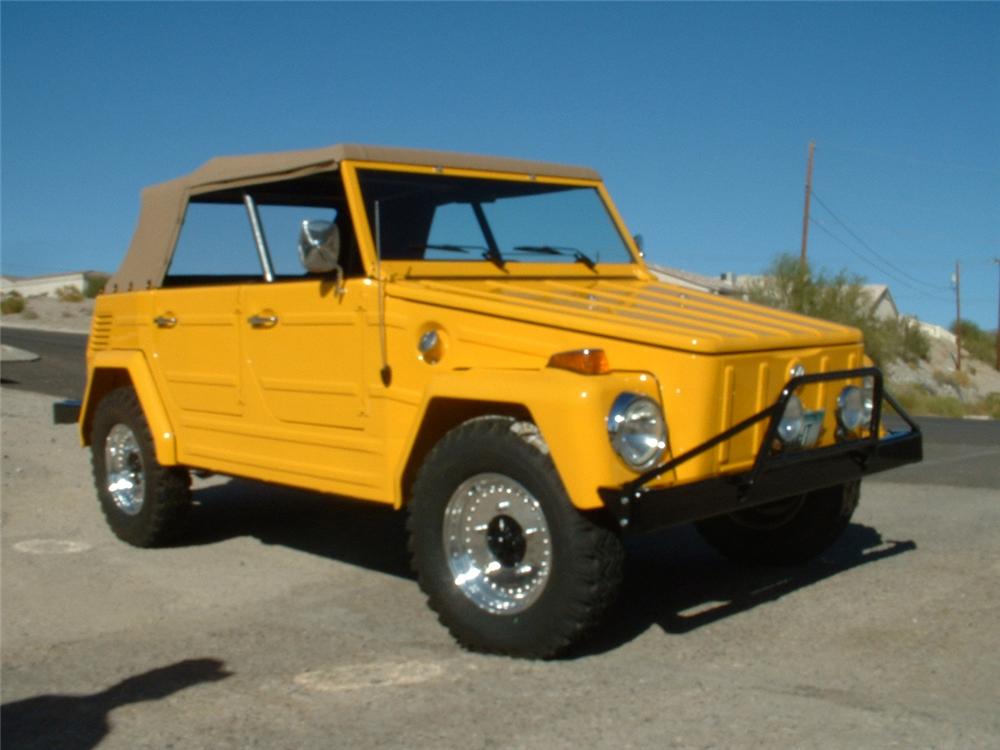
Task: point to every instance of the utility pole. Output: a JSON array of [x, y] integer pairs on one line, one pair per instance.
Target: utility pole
[[805, 212], [958, 318], [997, 336]]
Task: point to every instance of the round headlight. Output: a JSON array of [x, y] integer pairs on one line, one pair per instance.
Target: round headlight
[[637, 430], [791, 428], [854, 408]]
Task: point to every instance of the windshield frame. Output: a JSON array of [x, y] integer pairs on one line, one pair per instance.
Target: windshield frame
[[482, 267]]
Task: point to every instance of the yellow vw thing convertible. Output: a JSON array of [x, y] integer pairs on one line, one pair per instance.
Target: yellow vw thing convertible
[[475, 341]]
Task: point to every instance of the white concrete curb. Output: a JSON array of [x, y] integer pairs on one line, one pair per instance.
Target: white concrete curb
[[13, 354]]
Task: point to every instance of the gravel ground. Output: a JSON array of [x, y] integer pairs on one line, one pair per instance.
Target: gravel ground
[[50, 314], [290, 620]]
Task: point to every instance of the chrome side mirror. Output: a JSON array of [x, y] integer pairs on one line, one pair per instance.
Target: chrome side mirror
[[319, 249], [640, 244]]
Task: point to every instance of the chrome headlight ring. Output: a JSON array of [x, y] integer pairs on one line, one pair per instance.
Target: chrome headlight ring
[[791, 428], [800, 428], [854, 408], [637, 430]]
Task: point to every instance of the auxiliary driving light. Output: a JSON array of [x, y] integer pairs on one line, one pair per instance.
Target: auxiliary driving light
[[799, 428], [854, 408]]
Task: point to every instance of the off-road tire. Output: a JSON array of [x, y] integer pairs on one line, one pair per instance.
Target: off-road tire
[[166, 490], [787, 532], [586, 558]]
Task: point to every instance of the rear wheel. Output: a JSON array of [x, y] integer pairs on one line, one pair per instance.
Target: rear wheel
[[506, 561], [785, 532], [142, 501]]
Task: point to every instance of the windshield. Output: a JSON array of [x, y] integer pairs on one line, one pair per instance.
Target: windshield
[[437, 217]]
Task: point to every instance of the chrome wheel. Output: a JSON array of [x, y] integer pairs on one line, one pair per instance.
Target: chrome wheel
[[497, 543], [125, 471]]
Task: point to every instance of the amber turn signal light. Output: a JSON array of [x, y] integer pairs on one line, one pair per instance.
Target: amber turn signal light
[[583, 361]]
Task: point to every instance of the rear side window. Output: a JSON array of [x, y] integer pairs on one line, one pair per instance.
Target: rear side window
[[215, 240]]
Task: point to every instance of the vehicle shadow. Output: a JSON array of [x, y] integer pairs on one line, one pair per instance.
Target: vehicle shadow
[[675, 581], [358, 533], [80, 722]]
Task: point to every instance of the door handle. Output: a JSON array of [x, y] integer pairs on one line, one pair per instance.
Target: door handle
[[165, 321], [263, 321]]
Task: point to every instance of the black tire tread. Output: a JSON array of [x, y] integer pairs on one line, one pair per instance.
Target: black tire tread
[[821, 519], [168, 488], [597, 563]]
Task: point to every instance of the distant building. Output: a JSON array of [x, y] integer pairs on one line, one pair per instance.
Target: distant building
[[733, 285], [937, 332], [724, 284], [32, 286], [883, 304]]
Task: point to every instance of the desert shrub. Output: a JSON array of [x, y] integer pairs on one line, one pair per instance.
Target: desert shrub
[[69, 293], [979, 343], [791, 285], [12, 303], [914, 344], [990, 406], [953, 378], [94, 284], [919, 402]]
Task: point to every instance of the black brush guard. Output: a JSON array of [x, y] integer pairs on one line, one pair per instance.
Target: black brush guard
[[773, 476]]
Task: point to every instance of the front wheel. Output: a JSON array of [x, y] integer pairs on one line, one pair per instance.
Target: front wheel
[[142, 501], [506, 561], [785, 532]]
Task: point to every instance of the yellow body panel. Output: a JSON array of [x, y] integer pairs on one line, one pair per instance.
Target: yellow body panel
[[331, 392], [134, 364], [569, 409]]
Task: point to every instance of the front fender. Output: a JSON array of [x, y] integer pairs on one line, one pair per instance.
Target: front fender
[[111, 369], [569, 409]]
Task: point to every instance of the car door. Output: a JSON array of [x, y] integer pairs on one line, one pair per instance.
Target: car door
[[196, 350], [196, 330], [304, 342]]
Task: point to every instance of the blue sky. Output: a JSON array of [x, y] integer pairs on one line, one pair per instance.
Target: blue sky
[[697, 115]]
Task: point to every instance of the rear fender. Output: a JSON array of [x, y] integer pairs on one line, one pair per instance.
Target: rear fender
[[114, 369]]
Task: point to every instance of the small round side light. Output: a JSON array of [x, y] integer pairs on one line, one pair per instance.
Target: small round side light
[[431, 346]]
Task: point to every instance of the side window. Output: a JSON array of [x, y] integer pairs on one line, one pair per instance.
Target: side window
[[282, 225], [215, 240]]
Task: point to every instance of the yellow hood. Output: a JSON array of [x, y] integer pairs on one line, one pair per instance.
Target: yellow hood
[[646, 312]]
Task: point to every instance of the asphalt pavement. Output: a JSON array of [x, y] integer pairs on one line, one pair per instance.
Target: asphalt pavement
[[286, 619], [60, 367]]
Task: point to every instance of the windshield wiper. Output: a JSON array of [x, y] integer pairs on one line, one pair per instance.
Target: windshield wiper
[[447, 247], [572, 252], [492, 253]]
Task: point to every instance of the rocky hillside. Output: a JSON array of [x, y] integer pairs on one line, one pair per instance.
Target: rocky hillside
[[976, 384], [934, 378]]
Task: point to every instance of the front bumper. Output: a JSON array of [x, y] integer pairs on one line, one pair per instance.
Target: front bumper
[[773, 476]]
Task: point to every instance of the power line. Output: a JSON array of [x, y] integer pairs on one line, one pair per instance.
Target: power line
[[913, 160], [869, 248], [874, 265], [859, 256]]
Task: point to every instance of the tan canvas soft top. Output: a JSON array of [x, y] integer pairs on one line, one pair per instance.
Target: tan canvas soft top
[[162, 207]]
